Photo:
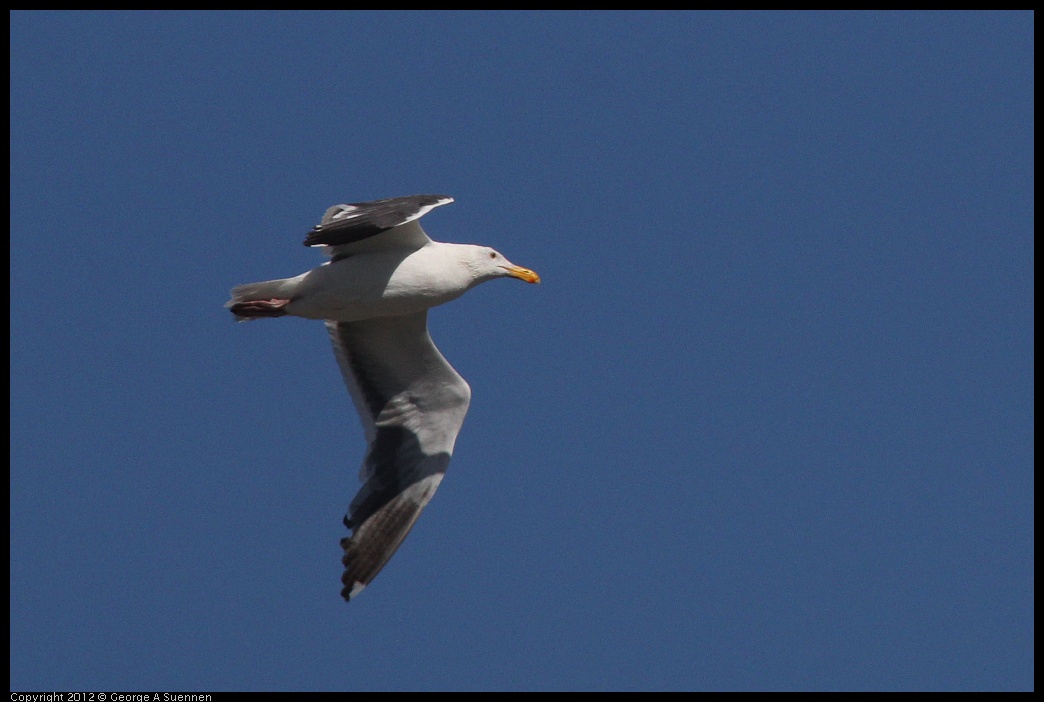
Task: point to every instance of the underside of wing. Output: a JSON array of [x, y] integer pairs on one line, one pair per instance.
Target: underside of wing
[[375, 540], [412, 404]]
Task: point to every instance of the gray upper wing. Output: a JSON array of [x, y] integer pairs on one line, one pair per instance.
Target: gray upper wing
[[346, 224]]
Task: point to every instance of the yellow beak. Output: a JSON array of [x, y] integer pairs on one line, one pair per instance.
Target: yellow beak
[[522, 274]]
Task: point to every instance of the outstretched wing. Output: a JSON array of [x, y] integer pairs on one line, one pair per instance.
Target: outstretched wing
[[412, 404], [347, 224]]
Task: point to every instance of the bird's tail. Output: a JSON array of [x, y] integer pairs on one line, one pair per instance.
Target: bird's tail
[[266, 299]]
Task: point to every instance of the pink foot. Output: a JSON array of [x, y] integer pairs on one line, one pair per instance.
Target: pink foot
[[260, 308]]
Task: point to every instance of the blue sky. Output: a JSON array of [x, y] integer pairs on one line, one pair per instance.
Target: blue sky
[[766, 424]]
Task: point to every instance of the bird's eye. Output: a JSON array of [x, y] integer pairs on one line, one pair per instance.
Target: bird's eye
[[492, 254]]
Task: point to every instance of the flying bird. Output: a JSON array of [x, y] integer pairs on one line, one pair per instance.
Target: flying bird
[[374, 293]]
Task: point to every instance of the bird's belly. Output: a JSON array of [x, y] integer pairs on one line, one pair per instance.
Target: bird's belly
[[348, 293]]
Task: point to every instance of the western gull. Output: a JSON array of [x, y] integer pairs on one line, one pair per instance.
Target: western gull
[[374, 294]]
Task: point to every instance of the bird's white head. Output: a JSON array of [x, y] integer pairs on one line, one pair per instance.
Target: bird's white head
[[486, 263]]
